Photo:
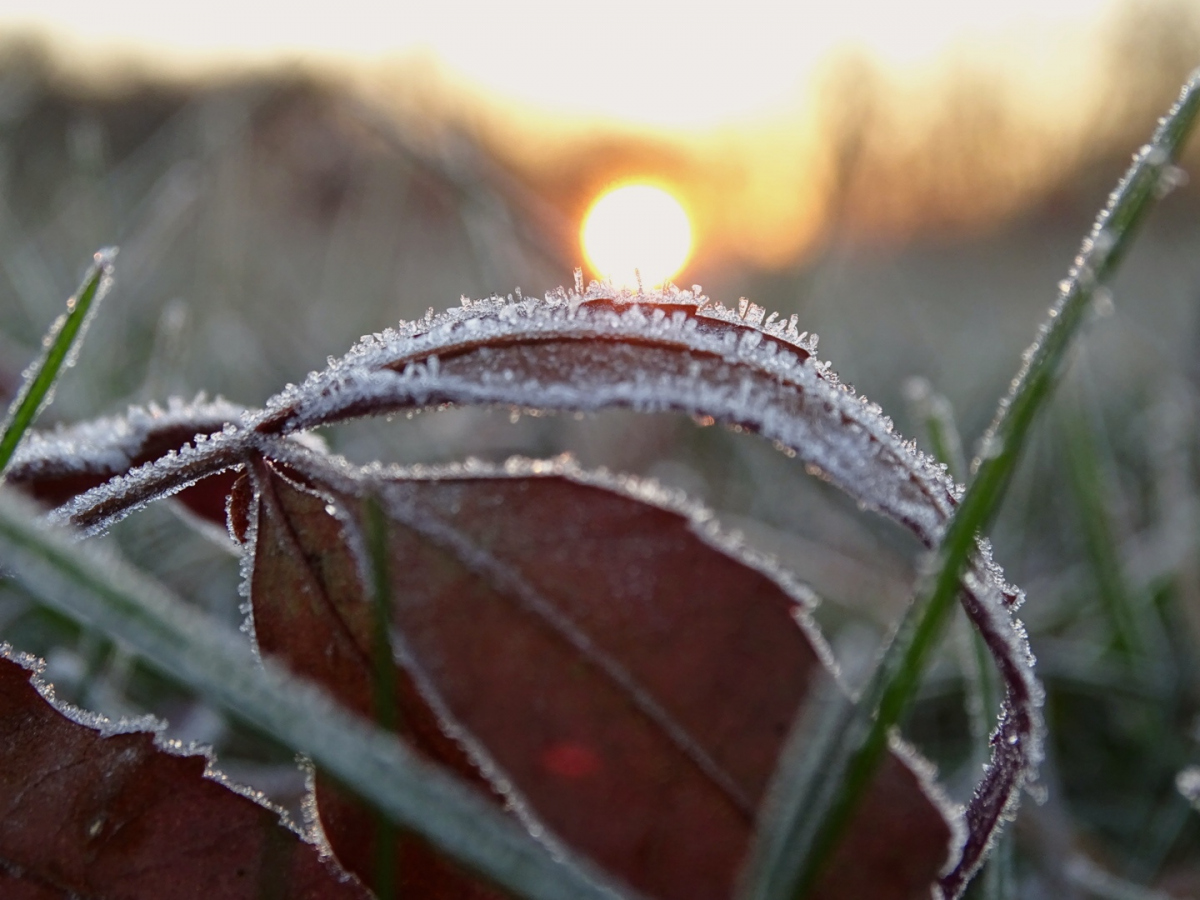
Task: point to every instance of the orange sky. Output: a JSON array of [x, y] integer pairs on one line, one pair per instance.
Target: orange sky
[[752, 114], [656, 62]]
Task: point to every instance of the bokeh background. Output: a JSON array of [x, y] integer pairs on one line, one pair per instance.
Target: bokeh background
[[912, 180]]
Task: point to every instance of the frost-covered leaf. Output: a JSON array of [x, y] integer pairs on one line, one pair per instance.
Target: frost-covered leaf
[[657, 351], [618, 672], [94, 587], [55, 466], [653, 352], [92, 808]]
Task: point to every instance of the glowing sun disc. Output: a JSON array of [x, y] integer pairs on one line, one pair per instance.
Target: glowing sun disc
[[636, 229]]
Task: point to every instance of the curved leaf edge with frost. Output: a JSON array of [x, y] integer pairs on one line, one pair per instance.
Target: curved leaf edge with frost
[[89, 808], [340, 489], [967, 568], [738, 366]]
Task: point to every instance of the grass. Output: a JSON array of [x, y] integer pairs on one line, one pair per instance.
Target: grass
[[61, 343], [844, 747], [1132, 603]]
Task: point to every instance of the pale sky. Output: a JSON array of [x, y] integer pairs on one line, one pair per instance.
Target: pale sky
[[739, 89], [660, 62]]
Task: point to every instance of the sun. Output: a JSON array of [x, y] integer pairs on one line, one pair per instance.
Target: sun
[[636, 230]]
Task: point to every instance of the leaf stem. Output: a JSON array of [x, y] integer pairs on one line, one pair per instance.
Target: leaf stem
[[37, 389]]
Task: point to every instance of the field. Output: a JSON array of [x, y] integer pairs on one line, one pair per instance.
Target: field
[[266, 223]]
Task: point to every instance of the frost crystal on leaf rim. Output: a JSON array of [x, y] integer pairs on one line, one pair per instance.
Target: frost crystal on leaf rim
[[112, 443], [669, 350], [147, 724]]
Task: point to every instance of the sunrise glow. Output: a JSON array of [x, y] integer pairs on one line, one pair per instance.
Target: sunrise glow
[[636, 233], [757, 113], [559, 58]]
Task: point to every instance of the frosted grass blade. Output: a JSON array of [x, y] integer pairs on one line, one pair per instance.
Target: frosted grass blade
[[104, 593], [982, 688], [843, 741], [60, 342]]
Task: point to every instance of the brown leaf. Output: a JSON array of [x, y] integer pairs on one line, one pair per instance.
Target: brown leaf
[[621, 674], [302, 567], [97, 810], [56, 466], [653, 351]]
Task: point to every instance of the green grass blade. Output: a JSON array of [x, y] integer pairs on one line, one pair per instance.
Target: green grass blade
[[936, 416], [383, 679], [982, 684], [105, 594], [60, 342], [1103, 552], [844, 740]]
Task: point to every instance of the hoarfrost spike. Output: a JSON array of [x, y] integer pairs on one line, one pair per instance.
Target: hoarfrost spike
[[651, 351]]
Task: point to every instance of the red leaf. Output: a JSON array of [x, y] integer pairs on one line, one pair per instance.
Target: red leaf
[[94, 814], [622, 673], [301, 566], [653, 351], [56, 466]]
